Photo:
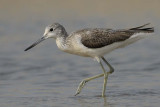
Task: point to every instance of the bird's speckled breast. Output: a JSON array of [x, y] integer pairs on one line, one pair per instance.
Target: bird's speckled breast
[[74, 46]]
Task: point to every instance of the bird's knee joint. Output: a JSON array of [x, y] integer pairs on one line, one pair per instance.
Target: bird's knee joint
[[84, 81], [111, 70]]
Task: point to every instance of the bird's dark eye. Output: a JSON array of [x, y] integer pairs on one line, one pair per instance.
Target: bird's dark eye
[[51, 29]]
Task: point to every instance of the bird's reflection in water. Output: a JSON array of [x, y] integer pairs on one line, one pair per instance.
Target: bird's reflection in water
[[106, 104], [92, 102]]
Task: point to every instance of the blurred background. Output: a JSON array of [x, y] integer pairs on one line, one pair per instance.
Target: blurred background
[[46, 77]]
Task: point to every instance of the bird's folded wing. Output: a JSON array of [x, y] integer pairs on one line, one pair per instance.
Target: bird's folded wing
[[98, 38]]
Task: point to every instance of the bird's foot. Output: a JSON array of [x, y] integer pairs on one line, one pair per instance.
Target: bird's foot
[[81, 85]]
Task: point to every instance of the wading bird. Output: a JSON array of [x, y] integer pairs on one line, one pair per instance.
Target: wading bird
[[94, 43]]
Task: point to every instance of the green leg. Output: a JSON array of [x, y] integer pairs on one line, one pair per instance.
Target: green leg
[[83, 82], [109, 65], [105, 79], [105, 74]]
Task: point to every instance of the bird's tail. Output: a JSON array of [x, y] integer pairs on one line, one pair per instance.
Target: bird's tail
[[143, 29]]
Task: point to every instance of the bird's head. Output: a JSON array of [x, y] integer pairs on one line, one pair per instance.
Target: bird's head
[[52, 31]]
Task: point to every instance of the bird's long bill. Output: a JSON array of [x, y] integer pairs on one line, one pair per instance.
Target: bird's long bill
[[34, 44]]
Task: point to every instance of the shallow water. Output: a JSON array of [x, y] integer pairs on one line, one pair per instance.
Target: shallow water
[[47, 77]]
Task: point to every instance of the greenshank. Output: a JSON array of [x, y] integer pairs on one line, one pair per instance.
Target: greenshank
[[94, 43]]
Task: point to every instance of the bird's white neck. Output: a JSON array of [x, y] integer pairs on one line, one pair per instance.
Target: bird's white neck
[[60, 41]]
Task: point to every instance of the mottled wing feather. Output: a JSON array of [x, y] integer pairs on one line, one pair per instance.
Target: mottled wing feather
[[97, 38]]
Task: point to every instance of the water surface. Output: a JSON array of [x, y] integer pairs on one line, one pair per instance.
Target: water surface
[[47, 77]]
